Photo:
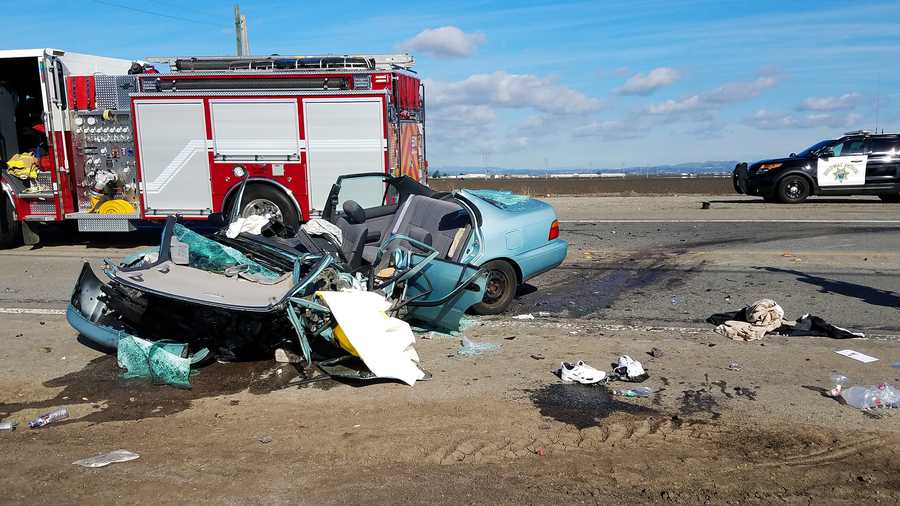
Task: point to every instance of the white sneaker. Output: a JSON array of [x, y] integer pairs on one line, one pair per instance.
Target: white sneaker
[[581, 373], [629, 367]]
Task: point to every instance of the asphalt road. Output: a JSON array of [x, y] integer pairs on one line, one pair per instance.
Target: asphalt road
[[636, 260]]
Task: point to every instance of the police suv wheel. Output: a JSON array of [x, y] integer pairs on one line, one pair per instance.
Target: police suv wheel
[[266, 200], [793, 189]]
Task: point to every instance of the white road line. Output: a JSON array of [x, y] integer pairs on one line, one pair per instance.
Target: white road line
[[25, 310], [865, 222]]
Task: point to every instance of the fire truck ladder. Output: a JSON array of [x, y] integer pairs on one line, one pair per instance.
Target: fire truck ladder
[[282, 63]]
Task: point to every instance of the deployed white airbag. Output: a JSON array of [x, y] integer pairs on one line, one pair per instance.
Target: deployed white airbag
[[385, 344]]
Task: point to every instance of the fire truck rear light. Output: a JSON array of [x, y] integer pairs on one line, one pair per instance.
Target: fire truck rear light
[[554, 230]]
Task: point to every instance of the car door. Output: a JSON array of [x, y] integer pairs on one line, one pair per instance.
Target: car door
[[883, 165], [843, 166]]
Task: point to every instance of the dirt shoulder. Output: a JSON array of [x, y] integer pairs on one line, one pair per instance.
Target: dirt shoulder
[[498, 428]]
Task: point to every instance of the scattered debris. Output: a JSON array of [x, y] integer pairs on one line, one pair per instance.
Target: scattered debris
[[705, 205], [872, 397], [630, 369], [8, 426], [896, 366], [470, 348], [160, 361], [855, 355], [655, 352], [510, 338], [105, 459], [839, 381], [265, 440], [284, 356], [48, 418], [579, 372], [733, 366], [537, 356], [634, 392], [765, 316], [527, 316]]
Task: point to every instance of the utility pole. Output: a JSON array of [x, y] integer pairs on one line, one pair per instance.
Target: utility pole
[[240, 32]]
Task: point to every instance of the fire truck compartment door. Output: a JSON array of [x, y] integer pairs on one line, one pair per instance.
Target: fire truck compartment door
[[171, 139], [344, 136]]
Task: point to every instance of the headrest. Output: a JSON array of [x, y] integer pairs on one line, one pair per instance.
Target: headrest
[[420, 234], [354, 212]]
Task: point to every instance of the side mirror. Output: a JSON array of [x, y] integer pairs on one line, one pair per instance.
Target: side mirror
[[792, 155]]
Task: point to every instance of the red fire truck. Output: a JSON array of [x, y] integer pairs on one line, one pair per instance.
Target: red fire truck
[[122, 142]]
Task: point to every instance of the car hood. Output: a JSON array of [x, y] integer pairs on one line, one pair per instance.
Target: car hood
[[786, 161]]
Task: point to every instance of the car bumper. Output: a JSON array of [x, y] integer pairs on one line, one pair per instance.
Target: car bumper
[[541, 260], [752, 184]]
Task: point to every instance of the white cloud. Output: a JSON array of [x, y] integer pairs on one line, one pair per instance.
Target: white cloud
[[845, 101], [446, 41], [686, 104], [645, 84], [468, 114], [611, 129], [515, 91], [736, 91], [772, 120]]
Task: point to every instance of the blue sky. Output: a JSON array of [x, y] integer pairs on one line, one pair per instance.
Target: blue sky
[[560, 84]]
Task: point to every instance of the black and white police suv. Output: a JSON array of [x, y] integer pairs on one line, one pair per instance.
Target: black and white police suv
[[859, 163]]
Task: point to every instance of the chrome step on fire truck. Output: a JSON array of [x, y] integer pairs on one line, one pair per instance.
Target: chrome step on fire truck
[[126, 143]]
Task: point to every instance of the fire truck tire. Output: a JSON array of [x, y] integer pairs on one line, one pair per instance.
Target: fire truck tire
[[10, 232], [264, 199]]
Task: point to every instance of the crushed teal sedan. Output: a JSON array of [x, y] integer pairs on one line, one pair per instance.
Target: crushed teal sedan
[[403, 252]]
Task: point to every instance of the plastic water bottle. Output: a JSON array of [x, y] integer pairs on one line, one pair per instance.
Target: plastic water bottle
[[634, 392], [839, 381], [877, 396], [53, 416]]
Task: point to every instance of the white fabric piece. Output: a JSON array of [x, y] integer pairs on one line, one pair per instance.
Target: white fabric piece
[[252, 224], [385, 344], [318, 226]]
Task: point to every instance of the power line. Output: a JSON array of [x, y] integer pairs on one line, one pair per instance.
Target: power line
[[158, 14]]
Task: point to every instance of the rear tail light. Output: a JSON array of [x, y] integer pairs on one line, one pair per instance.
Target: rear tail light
[[554, 230]]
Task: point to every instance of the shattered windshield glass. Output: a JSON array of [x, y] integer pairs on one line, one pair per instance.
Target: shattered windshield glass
[[506, 200], [212, 256]]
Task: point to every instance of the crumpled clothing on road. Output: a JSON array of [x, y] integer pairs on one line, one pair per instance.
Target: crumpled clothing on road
[[751, 323], [765, 316]]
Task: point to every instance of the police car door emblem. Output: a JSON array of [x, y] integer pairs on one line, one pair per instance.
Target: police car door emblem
[[840, 171]]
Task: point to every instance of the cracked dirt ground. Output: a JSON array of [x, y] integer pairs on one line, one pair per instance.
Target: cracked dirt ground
[[500, 428]]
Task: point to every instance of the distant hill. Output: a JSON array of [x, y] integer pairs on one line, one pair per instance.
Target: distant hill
[[708, 167]]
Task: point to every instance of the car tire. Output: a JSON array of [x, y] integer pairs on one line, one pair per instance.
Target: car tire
[[10, 229], [892, 198], [501, 288], [264, 199], [793, 189]]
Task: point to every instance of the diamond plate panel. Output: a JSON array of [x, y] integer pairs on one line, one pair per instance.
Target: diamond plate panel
[[113, 91]]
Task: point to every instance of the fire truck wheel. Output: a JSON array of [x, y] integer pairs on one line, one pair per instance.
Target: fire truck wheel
[[10, 234], [263, 199]]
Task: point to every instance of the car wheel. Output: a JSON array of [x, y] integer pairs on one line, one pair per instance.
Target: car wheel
[[793, 189], [892, 198], [263, 199], [501, 288], [10, 231]]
